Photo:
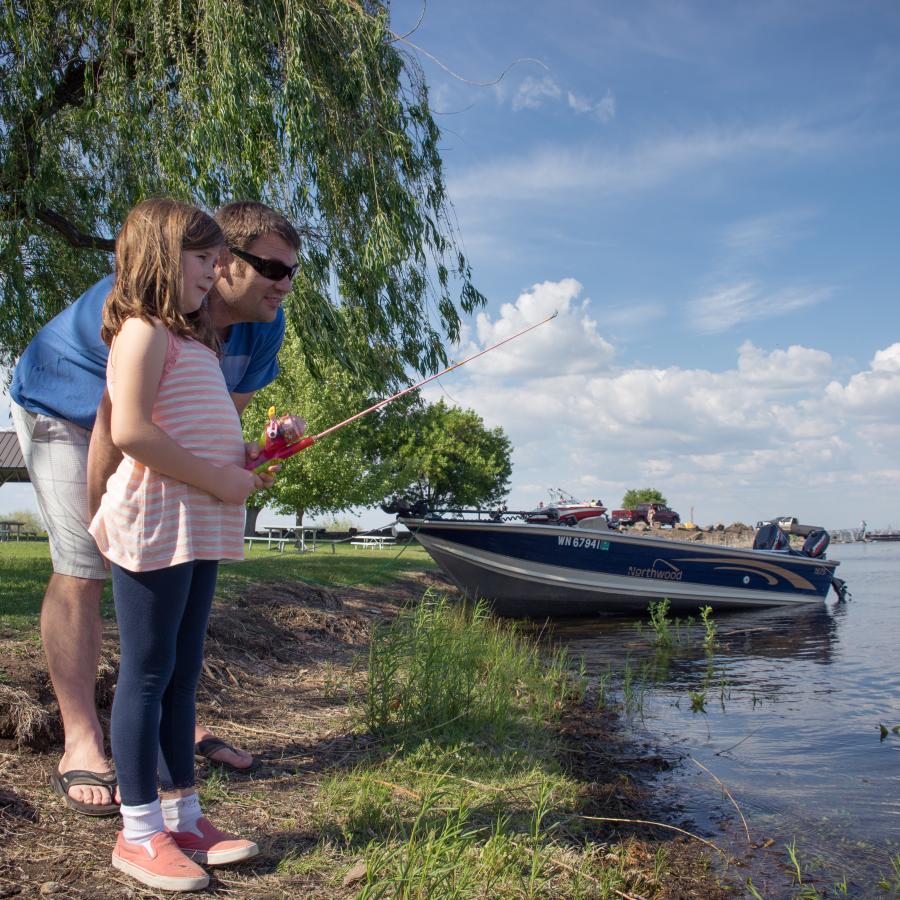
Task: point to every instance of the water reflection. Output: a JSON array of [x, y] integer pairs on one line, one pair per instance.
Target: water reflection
[[808, 632], [785, 710]]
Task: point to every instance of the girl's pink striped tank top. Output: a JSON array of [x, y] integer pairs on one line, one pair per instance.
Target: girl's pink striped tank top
[[150, 521]]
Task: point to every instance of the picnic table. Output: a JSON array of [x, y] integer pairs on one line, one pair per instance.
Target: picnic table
[[10, 529], [372, 541], [277, 536]]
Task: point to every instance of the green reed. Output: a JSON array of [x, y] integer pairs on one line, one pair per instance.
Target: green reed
[[794, 856], [659, 621], [709, 638], [892, 882]]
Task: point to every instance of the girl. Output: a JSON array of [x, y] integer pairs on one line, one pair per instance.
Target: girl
[[172, 509]]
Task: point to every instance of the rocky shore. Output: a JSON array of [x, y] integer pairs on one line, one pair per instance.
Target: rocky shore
[[735, 535]]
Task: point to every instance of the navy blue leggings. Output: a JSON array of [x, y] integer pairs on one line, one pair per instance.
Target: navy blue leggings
[[162, 618]]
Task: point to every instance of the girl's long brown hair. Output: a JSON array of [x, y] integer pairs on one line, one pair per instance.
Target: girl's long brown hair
[[148, 269]]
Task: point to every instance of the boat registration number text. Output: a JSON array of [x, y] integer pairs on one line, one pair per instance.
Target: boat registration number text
[[583, 543]]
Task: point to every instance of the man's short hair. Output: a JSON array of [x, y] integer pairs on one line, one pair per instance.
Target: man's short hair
[[243, 221]]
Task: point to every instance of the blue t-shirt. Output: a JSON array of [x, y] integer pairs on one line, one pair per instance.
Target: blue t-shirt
[[62, 372]]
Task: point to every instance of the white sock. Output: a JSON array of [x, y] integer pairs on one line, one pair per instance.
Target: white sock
[[141, 823], [182, 813]]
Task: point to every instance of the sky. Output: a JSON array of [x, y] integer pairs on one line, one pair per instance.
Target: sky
[[709, 196]]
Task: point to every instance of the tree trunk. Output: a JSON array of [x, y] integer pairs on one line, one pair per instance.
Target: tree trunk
[[300, 516], [250, 521]]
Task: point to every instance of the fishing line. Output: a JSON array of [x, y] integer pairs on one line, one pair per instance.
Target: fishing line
[[284, 442]]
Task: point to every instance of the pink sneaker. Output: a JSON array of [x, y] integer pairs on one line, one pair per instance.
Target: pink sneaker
[[159, 864], [213, 847]]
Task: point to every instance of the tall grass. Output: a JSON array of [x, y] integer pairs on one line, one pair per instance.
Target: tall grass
[[464, 796], [444, 666]]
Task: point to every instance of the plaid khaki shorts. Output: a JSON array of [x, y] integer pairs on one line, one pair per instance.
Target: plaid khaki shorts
[[56, 453]]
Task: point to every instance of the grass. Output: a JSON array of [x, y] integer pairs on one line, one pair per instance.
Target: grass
[[891, 882], [25, 570], [460, 791], [440, 665], [464, 796]]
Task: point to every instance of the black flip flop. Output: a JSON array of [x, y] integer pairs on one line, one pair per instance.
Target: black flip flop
[[62, 781], [204, 749]]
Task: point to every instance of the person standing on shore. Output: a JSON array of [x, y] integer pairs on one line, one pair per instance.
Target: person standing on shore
[[62, 416], [172, 509]]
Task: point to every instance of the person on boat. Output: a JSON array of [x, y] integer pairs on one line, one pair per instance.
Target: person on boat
[[60, 410]]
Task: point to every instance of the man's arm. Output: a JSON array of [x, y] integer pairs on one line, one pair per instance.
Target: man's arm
[[103, 456], [241, 401]]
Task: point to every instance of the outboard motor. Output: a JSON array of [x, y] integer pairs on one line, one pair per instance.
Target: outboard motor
[[840, 588], [770, 537], [406, 507], [816, 543]]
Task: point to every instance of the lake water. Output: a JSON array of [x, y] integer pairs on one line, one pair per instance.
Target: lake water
[[785, 712]]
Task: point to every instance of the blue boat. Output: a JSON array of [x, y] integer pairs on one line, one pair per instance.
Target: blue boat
[[539, 570]]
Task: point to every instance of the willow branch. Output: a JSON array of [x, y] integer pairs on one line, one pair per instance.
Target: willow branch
[[71, 233], [458, 77]]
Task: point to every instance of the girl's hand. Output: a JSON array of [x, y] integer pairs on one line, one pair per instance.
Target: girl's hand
[[251, 452], [268, 476], [235, 485]]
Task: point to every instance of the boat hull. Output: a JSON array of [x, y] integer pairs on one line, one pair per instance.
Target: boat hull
[[538, 571]]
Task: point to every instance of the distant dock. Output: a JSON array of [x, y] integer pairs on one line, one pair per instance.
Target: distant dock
[[856, 535]]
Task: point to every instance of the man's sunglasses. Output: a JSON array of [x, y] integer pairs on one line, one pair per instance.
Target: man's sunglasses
[[272, 269]]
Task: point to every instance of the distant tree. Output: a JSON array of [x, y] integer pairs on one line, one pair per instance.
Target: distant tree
[[453, 459], [634, 496], [31, 521], [309, 105]]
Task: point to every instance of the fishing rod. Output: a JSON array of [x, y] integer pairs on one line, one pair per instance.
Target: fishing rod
[[282, 437]]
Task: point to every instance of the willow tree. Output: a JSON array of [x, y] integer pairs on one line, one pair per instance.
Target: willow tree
[[309, 105]]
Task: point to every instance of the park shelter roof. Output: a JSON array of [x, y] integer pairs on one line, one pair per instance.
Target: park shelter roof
[[12, 465]]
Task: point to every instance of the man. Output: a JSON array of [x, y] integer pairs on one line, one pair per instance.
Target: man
[[61, 413]]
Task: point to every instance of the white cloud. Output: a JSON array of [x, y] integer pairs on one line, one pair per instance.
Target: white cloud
[[758, 236], [887, 360], [791, 369], [604, 109], [871, 394], [773, 433], [533, 92], [549, 171], [570, 342], [728, 305]]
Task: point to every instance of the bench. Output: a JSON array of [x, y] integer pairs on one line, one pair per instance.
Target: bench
[[269, 541]]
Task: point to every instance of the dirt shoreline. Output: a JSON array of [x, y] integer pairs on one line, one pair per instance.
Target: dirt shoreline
[[282, 661]]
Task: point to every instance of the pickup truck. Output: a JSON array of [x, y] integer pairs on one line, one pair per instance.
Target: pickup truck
[[662, 515]]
